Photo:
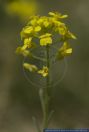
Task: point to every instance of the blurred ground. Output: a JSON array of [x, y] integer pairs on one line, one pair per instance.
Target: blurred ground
[[19, 100]]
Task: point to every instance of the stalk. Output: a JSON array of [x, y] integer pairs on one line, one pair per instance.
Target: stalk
[[45, 94]]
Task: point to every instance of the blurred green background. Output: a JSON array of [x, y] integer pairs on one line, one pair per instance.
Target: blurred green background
[[19, 100]]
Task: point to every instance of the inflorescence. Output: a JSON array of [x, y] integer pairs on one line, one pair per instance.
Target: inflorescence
[[44, 29]]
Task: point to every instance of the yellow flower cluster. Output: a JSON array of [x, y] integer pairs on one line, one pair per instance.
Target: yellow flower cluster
[[43, 30]]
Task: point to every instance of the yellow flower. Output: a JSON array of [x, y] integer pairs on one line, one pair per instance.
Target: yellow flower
[[46, 23], [57, 23], [43, 21], [44, 71], [28, 29], [65, 50], [27, 43], [70, 35], [37, 28], [25, 53], [33, 20], [40, 21], [57, 15], [30, 67], [58, 26], [45, 39], [62, 29]]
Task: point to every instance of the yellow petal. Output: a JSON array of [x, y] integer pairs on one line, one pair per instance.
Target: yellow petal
[[27, 40], [69, 51], [37, 28], [28, 29], [45, 41], [30, 67], [45, 74], [45, 35], [22, 51], [51, 13], [40, 21], [40, 71], [71, 35], [46, 23], [24, 47], [44, 71], [64, 16]]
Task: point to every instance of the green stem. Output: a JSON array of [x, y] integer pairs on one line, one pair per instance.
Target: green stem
[[46, 94]]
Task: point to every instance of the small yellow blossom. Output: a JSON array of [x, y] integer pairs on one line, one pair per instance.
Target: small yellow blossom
[[43, 21], [62, 29], [33, 20], [70, 35], [40, 21], [57, 23], [37, 29], [44, 71], [28, 29], [27, 40], [30, 67], [65, 50], [46, 23], [27, 43], [45, 39], [57, 15], [25, 53], [45, 35]]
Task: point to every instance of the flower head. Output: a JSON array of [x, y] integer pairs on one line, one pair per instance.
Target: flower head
[[42, 31]]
